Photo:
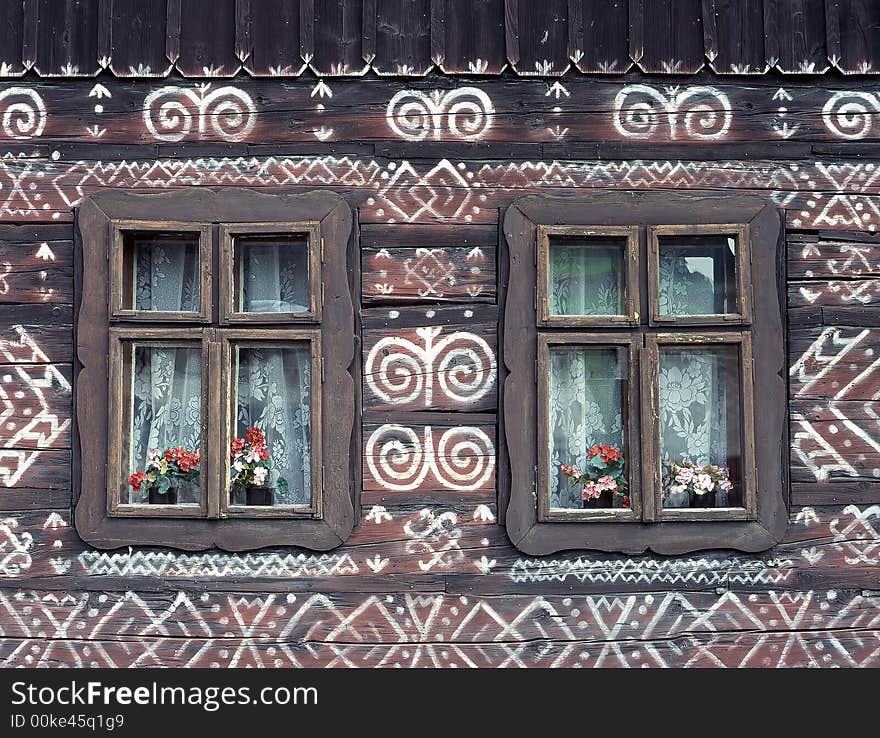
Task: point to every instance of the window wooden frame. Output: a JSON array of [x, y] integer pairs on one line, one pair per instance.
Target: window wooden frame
[[119, 227], [630, 453], [229, 232], [630, 267], [232, 338], [331, 520], [743, 273], [657, 533], [651, 430]]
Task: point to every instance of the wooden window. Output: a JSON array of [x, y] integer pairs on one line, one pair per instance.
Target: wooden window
[[641, 433], [250, 361]]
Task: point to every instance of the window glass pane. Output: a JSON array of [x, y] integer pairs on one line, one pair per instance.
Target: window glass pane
[[587, 275], [272, 274], [164, 272], [588, 390], [164, 393], [700, 427], [698, 275], [271, 452]]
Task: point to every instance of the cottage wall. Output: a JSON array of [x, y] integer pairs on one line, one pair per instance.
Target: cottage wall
[[429, 165]]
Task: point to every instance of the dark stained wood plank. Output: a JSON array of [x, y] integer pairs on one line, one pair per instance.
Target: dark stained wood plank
[[451, 274], [274, 38], [847, 293], [835, 493], [542, 38], [36, 334], [36, 272], [403, 37], [473, 36], [834, 363], [673, 37], [797, 28], [838, 259], [35, 469], [337, 37], [29, 498], [207, 49], [603, 38], [67, 38], [858, 24], [12, 33], [138, 33], [739, 36]]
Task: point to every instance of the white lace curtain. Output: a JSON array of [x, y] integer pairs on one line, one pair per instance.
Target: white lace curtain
[[274, 277], [166, 407], [586, 389], [586, 385], [273, 395], [273, 387], [167, 276]]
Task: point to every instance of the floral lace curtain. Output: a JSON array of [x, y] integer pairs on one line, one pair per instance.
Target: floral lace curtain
[[694, 388], [274, 276], [167, 276], [585, 280], [585, 409], [166, 407], [274, 395]]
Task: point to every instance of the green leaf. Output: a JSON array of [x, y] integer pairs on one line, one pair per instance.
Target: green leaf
[[163, 484]]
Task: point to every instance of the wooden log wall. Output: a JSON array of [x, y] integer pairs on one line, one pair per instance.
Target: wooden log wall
[[429, 577]]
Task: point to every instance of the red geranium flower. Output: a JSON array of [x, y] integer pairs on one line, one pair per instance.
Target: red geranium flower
[[255, 436], [606, 453], [264, 453], [188, 461], [136, 480], [236, 447]]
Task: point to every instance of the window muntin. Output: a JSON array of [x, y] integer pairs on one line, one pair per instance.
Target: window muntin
[[273, 383], [270, 272], [157, 402], [572, 261], [160, 271], [702, 389], [586, 399], [698, 275]]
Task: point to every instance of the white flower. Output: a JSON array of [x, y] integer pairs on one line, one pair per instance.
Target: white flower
[[252, 455], [704, 482], [238, 466], [260, 475]]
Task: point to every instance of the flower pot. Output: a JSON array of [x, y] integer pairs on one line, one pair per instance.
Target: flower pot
[[677, 499], [705, 500], [158, 498], [261, 496], [604, 501]]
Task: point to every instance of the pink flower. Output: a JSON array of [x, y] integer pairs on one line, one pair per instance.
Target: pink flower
[[684, 475], [253, 454], [591, 491], [260, 475], [725, 484], [606, 483]]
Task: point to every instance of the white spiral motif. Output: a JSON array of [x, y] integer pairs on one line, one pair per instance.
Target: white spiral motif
[[401, 372], [639, 110], [465, 113], [398, 462], [463, 459], [227, 113], [850, 114], [23, 113]]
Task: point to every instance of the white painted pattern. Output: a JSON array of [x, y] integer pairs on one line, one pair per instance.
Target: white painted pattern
[[26, 419], [465, 113], [22, 113], [227, 113], [815, 628], [463, 458], [15, 549], [402, 372], [850, 114], [697, 112]]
